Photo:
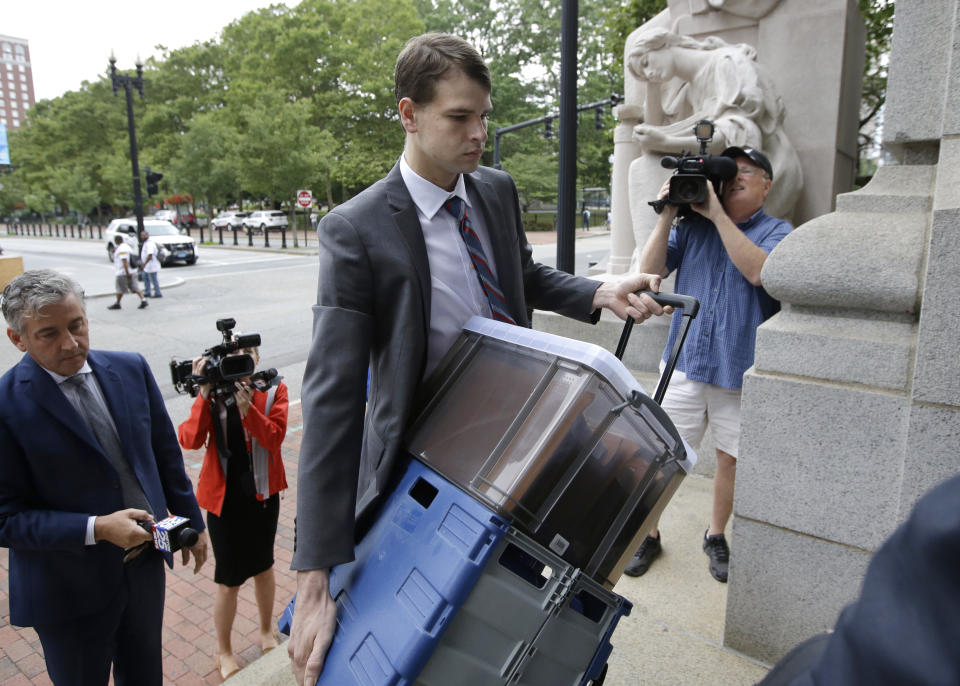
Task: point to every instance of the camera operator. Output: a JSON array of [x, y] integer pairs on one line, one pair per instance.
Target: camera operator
[[718, 252], [239, 486]]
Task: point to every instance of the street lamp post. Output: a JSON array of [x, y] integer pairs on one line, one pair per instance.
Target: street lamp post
[[567, 181], [129, 83]]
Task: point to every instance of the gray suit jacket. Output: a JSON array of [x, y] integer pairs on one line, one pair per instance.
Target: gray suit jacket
[[373, 308]]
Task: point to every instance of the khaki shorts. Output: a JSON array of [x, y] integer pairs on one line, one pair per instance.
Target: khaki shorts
[[125, 284], [694, 405]]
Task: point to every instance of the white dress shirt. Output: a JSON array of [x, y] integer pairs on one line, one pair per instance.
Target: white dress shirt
[[455, 290]]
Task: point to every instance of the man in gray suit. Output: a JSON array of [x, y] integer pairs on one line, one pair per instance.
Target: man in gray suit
[[403, 265]]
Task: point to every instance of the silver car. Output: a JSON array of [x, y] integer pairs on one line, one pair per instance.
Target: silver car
[[174, 246], [265, 220], [229, 220]]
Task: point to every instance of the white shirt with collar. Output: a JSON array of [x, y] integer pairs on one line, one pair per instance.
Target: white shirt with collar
[[455, 290]]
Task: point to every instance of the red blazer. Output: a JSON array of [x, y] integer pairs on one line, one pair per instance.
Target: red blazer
[[197, 430]]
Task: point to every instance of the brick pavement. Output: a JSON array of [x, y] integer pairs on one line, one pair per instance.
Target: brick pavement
[[189, 643]]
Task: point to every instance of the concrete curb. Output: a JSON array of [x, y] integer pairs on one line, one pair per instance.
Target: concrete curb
[[109, 294]]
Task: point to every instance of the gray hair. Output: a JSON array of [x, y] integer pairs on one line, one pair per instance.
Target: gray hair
[[33, 290]]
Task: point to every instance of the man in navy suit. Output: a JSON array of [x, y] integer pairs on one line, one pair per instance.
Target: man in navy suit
[[88, 452], [402, 268]]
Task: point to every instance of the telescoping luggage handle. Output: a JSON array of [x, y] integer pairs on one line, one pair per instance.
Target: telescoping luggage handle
[[689, 306]]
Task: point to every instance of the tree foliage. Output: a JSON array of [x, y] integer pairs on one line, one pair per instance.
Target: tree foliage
[[302, 97], [878, 22]]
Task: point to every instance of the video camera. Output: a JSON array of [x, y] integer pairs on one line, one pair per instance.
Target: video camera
[[224, 366], [688, 185]]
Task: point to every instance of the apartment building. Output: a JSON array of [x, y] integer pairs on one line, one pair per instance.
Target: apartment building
[[16, 81]]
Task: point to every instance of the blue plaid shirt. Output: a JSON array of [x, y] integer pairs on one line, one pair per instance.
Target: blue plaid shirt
[[719, 347]]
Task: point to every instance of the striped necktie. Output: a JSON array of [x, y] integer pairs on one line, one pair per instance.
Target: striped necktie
[[98, 418], [488, 280]]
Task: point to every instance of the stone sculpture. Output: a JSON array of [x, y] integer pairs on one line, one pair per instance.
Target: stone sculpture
[[688, 80]]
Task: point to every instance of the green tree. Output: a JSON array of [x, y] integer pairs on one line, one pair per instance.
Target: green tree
[[878, 22], [282, 151], [204, 162]]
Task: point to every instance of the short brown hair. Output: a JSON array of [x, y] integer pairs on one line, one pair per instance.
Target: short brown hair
[[426, 59]]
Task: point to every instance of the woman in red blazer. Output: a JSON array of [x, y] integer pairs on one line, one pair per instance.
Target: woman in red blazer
[[239, 486]]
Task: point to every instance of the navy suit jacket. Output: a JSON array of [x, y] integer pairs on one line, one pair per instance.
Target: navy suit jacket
[[373, 311], [54, 475]]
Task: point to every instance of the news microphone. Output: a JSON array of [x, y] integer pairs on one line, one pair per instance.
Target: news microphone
[[171, 534]]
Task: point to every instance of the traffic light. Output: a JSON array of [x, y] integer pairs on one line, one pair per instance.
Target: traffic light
[[598, 119], [153, 178]]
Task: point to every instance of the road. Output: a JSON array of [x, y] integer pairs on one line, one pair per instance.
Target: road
[[268, 292]]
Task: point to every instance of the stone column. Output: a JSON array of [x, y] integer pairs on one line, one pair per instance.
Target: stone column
[[852, 408], [622, 243]]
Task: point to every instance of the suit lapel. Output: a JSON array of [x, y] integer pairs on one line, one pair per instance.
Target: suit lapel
[[408, 224], [40, 387], [502, 239]]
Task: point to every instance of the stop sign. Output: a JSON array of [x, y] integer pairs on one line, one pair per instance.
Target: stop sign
[[304, 198]]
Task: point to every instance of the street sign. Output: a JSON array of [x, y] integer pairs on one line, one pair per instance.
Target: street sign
[[304, 198]]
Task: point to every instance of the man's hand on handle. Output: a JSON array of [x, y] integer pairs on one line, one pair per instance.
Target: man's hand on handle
[[620, 297], [314, 623]]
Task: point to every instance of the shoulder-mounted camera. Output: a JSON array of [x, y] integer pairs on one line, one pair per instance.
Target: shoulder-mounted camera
[[688, 185]]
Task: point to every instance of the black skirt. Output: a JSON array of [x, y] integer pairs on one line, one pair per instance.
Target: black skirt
[[243, 535]]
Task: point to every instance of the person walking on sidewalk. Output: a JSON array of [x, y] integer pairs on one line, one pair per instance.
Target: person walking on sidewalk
[[718, 252], [125, 279], [150, 265]]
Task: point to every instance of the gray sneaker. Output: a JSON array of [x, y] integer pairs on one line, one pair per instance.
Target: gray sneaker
[[648, 551], [718, 551]]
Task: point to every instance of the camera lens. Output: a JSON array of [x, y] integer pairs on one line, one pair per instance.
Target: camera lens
[[236, 366], [687, 188]]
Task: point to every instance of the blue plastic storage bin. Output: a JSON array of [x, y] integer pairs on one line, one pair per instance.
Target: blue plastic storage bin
[[413, 570]]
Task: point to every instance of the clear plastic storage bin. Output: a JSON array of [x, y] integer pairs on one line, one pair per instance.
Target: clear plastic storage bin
[[557, 436]]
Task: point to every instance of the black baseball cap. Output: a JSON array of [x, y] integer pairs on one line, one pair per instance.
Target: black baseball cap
[[758, 158]]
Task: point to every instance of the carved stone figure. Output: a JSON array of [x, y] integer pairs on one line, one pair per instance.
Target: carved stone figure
[[752, 9], [688, 80]]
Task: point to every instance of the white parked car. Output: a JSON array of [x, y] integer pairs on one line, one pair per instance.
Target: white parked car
[[174, 246], [265, 220], [229, 220]]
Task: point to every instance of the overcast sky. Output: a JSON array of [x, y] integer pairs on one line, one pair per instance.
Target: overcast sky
[[70, 42]]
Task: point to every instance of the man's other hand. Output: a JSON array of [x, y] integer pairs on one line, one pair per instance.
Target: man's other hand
[[121, 528], [198, 550], [314, 623], [712, 209], [620, 297]]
